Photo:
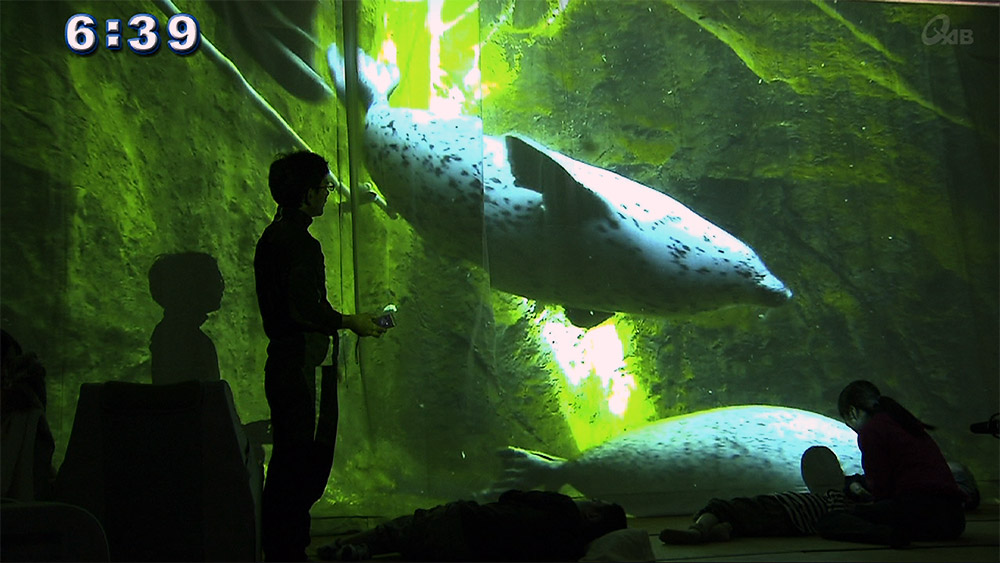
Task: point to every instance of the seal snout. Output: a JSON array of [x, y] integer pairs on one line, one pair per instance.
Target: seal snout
[[775, 292]]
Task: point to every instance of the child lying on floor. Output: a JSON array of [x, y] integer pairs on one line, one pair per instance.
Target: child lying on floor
[[843, 508], [777, 514]]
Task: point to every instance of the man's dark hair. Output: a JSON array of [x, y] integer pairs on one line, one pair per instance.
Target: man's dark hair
[[292, 175]]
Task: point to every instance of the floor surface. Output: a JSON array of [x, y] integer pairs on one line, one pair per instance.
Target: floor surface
[[980, 542]]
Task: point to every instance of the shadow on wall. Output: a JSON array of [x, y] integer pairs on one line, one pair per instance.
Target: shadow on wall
[[188, 286]]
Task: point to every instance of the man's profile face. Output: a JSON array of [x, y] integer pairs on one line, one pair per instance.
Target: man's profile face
[[316, 197]]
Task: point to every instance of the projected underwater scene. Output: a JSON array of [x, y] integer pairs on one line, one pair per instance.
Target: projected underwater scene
[[615, 233]]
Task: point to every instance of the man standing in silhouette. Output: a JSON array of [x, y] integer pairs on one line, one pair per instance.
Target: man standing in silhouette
[[300, 324]]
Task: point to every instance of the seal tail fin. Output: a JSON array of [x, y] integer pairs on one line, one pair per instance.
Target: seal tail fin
[[525, 470], [377, 80]]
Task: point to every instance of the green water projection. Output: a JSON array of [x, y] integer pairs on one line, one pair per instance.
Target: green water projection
[[856, 158]]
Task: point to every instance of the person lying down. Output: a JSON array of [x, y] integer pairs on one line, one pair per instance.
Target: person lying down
[[519, 526]]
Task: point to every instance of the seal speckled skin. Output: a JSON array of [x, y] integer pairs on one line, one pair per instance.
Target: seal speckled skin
[[675, 465], [549, 227]]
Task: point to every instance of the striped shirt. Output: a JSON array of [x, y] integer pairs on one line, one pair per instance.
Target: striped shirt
[[805, 509]]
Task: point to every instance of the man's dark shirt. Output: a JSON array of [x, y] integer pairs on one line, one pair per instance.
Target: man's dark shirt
[[291, 279]]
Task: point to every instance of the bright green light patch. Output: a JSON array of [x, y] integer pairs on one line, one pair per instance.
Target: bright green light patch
[[595, 352], [453, 29], [600, 398]]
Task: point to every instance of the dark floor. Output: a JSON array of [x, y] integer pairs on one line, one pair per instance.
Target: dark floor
[[981, 542]]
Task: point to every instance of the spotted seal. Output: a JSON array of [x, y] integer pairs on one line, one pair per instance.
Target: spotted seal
[[675, 465], [548, 227]]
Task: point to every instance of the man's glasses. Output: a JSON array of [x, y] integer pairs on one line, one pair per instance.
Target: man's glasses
[[330, 186]]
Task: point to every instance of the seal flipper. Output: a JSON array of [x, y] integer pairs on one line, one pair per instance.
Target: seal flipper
[[378, 80], [566, 200], [527, 469]]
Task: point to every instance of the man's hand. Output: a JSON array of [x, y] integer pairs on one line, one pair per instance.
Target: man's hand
[[364, 324]]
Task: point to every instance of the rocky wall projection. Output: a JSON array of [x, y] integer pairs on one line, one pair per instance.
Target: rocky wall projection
[[851, 146]]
